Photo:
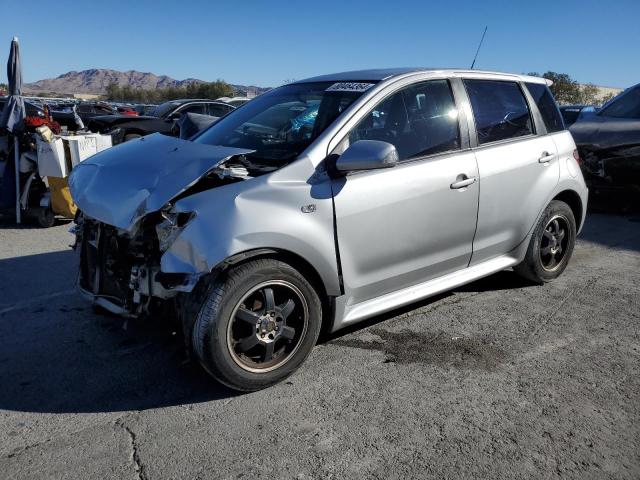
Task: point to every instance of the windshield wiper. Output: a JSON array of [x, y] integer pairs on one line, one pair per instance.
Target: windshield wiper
[[257, 164]]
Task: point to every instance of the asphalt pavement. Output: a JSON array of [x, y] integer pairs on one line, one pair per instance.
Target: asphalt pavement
[[498, 379]]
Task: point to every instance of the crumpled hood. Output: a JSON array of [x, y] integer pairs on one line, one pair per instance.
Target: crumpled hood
[[122, 184], [606, 132]]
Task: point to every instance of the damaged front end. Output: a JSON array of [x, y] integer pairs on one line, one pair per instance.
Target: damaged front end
[[128, 220], [120, 271]]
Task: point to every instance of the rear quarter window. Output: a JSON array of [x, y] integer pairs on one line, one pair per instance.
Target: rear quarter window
[[547, 107], [499, 109]]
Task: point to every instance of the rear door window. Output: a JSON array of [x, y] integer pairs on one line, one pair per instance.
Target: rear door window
[[103, 110], [217, 110], [200, 108], [419, 120], [547, 106], [500, 110]]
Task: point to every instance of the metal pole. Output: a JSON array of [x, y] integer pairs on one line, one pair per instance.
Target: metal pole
[[17, 166]]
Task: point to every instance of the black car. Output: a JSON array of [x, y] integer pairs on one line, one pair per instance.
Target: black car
[[609, 142], [144, 109], [572, 113], [63, 114], [32, 109], [162, 120]]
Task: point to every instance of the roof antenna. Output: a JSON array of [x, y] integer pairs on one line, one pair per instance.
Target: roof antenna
[[479, 45]]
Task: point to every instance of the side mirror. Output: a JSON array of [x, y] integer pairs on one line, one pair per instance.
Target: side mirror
[[367, 155]]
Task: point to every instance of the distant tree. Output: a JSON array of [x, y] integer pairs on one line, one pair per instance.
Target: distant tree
[[211, 90], [216, 89], [589, 94], [568, 91], [606, 97], [4, 88], [564, 88], [113, 91]]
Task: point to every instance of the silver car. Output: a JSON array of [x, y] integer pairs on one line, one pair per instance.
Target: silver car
[[325, 202]]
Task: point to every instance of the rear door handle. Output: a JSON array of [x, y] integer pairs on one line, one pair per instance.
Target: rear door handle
[[465, 182], [546, 157]]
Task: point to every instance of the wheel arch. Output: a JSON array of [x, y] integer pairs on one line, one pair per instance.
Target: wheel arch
[[571, 198], [296, 261]]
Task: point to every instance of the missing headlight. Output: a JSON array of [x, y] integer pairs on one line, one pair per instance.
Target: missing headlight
[[169, 229]]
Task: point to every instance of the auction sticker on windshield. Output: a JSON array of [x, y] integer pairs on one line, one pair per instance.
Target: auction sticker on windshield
[[350, 87]]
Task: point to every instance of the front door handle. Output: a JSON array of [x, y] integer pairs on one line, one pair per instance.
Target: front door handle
[[463, 181], [546, 157]]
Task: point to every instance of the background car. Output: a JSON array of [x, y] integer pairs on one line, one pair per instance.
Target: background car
[[609, 142], [126, 110], [574, 113], [63, 113], [162, 120], [235, 101], [144, 109], [33, 109]]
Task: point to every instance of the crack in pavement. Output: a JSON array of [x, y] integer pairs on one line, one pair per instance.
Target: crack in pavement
[[135, 456], [21, 450], [545, 317]]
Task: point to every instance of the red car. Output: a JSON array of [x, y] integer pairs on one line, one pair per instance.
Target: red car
[[127, 111]]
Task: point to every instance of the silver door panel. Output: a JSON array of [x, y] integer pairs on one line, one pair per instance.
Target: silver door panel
[[514, 186], [402, 226]]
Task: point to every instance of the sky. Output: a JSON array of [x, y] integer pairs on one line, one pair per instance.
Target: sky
[[266, 43]]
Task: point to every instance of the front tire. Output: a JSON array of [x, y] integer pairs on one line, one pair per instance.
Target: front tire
[[46, 218], [551, 244], [257, 324]]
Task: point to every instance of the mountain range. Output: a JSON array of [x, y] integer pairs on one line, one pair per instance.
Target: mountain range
[[96, 80]]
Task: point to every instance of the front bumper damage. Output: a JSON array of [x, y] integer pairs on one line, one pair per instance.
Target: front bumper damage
[[120, 271], [126, 195]]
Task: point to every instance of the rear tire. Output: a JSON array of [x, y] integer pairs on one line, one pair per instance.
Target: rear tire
[[256, 324], [551, 244]]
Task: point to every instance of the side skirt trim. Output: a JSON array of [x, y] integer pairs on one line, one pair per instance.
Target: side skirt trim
[[349, 314]]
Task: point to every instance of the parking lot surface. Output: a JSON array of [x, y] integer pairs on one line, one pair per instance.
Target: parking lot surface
[[498, 379]]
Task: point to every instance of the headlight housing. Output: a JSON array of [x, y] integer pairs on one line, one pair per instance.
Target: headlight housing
[[172, 225]]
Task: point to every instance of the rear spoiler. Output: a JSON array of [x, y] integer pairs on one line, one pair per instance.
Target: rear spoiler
[[548, 82]]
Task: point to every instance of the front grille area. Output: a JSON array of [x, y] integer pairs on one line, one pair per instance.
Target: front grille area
[[107, 257]]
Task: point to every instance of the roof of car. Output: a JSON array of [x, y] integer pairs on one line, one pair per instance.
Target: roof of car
[[186, 100], [385, 73]]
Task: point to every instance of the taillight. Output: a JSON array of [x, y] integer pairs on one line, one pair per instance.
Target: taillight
[[576, 155]]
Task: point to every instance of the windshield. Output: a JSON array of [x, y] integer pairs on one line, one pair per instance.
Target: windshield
[[626, 105], [164, 109], [279, 125]]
